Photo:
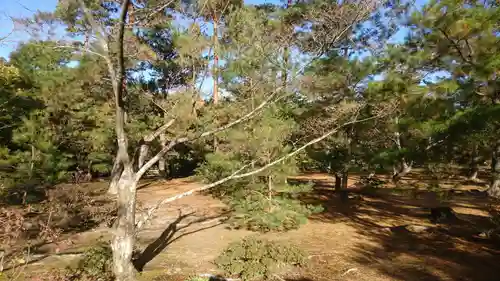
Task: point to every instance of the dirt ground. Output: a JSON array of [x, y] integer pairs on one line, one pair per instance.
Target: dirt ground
[[363, 239]]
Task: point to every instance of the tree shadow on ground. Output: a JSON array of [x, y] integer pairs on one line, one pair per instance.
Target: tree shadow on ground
[[173, 232], [446, 251]]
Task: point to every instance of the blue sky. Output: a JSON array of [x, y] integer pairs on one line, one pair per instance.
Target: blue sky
[[18, 9], [26, 8]]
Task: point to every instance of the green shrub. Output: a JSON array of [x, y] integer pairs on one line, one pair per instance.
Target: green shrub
[[254, 258], [255, 210], [95, 265]]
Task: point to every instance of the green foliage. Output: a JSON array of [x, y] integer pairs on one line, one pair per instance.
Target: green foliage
[[257, 210], [254, 258], [96, 263], [265, 202]]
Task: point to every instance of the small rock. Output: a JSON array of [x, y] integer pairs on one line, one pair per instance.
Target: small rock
[[386, 229], [483, 235], [417, 228]]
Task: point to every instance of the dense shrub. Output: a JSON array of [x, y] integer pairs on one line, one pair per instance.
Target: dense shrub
[[257, 211], [254, 258]]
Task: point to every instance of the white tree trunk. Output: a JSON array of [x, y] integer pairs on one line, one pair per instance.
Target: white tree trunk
[[123, 240], [115, 177]]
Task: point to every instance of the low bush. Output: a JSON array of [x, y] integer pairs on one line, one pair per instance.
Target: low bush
[[255, 210], [95, 265], [254, 258]]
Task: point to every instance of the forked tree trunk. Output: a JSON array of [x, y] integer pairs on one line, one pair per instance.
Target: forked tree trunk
[[494, 189], [341, 185], [123, 240], [341, 180], [403, 169]]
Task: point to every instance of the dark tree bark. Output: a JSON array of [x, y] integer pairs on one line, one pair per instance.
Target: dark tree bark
[[162, 162], [338, 181], [401, 171], [474, 164]]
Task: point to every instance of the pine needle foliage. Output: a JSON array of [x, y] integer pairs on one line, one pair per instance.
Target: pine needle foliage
[[254, 258]]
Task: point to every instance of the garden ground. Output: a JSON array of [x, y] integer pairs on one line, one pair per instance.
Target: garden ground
[[377, 235]]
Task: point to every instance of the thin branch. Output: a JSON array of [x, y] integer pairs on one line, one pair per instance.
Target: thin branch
[[87, 50], [153, 209], [159, 131], [434, 144], [162, 152], [237, 175], [95, 26], [455, 45], [147, 17]]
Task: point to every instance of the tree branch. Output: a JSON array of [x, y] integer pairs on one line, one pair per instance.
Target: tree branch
[[237, 175], [155, 134], [151, 210], [154, 12], [457, 48], [95, 26], [162, 152]]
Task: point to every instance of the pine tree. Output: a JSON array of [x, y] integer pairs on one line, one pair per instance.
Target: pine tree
[[462, 39]]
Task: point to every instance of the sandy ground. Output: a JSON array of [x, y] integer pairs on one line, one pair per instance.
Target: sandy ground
[[362, 239]]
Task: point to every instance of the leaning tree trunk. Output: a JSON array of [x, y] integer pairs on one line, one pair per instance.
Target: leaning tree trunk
[[123, 241], [494, 189]]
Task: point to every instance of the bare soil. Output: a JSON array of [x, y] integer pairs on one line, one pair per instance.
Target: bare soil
[[363, 239]]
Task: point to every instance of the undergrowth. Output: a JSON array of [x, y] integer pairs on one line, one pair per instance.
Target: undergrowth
[[95, 265], [256, 210], [254, 258]]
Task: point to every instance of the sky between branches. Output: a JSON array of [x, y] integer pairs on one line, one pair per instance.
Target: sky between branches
[[26, 8]]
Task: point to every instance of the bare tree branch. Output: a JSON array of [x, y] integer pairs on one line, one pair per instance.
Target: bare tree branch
[[237, 175], [153, 209], [160, 154], [155, 134], [144, 147]]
